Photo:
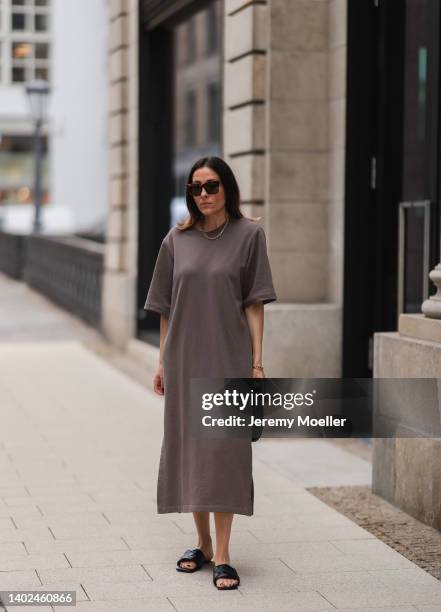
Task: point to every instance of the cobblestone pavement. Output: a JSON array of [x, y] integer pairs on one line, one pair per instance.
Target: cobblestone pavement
[[416, 541], [79, 450]]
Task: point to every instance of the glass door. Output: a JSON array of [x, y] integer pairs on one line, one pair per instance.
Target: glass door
[[180, 112], [418, 219]]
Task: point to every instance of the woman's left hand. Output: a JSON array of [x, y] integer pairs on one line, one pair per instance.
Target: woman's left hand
[[258, 373]]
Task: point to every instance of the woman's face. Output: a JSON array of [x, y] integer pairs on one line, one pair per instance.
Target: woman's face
[[208, 204]]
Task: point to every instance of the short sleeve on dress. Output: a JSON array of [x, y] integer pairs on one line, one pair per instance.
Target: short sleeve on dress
[[160, 290], [257, 281]]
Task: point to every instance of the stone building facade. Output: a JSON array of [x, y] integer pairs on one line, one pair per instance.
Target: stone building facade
[[326, 106], [284, 134], [119, 291]]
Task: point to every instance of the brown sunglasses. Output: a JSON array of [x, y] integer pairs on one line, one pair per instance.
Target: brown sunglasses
[[211, 187]]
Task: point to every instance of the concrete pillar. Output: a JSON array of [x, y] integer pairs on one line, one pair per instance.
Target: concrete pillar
[[284, 134], [245, 53], [407, 471], [119, 291]]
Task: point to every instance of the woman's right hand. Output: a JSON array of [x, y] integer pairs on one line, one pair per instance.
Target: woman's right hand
[[158, 381]]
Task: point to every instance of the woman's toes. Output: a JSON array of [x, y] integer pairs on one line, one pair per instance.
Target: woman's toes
[[188, 564], [226, 582]]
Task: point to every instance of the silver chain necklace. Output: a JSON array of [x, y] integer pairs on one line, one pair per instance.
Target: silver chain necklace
[[218, 235]]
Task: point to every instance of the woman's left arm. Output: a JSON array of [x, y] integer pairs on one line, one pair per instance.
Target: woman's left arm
[[255, 316]]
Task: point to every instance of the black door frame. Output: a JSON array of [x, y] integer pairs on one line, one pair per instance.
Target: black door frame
[[155, 149], [364, 170]]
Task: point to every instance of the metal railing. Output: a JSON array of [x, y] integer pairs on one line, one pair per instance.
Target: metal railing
[[68, 270], [12, 254]]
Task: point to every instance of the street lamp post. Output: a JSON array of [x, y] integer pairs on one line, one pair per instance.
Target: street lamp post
[[37, 92]]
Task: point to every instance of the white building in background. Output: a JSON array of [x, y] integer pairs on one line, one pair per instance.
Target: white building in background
[[65, 42], [79, 110]]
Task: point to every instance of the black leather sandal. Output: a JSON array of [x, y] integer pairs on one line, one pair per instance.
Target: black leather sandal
[[225, 571], [196, 556]]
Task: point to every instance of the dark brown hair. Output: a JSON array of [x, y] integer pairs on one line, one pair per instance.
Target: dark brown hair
[[229, 183]]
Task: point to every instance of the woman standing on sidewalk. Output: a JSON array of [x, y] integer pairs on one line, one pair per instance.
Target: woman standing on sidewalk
[[210, 282]]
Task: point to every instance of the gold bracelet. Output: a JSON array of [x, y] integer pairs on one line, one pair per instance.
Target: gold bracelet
[[257, 367]]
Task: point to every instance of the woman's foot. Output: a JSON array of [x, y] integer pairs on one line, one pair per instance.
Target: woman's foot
[[224, 583], [207, 550]]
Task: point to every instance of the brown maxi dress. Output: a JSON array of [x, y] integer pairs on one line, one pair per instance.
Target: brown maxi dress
[[203, 286]]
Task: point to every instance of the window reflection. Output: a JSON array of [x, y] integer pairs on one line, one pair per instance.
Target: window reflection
[[415, 191], [29, 60], [413, 259], [17, 170], [212, 30], [415, 100], [213, 112], [18, 22], [41, 50], [21, 50], [198, 94], [25, 35], [190, 30], [190, 111]]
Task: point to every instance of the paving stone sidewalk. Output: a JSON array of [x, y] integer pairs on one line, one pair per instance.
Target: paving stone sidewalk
[[79, 451]]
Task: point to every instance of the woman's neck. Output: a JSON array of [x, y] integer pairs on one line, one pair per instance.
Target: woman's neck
[[212, 222]]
